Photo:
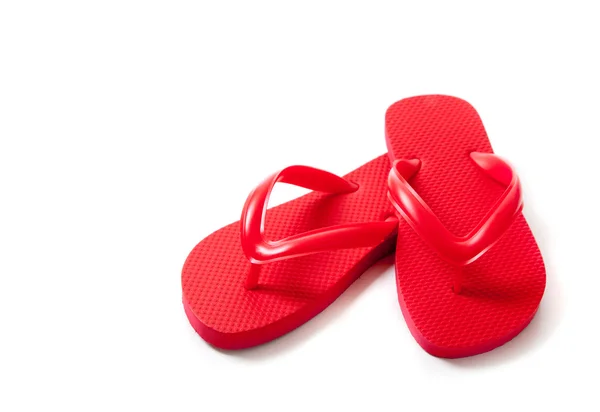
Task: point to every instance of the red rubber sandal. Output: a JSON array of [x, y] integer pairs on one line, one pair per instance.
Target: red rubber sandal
[[241, 290], [469, 273]]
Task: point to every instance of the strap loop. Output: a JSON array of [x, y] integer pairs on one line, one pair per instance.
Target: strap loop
[[259, 251], [458, 250]]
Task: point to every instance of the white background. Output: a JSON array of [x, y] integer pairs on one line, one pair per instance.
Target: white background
[[131, 130]]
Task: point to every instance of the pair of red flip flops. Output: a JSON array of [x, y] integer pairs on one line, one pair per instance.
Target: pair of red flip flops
[[469, 273]]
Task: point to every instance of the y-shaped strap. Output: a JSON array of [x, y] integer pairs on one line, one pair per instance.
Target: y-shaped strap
[[458, 250], [259, 251]]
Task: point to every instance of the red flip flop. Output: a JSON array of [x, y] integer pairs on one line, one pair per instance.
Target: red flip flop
[[469, 273], [241, 290]]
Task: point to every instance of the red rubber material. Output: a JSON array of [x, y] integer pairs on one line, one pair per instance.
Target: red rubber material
[[500, 290], [458, 250], [346, 236], [229, 315]]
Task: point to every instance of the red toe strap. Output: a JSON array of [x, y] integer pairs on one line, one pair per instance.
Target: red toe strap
[[258, 250], [458, 250]]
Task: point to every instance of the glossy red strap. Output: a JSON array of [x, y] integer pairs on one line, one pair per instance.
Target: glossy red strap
[[258, 250], [458, 250]]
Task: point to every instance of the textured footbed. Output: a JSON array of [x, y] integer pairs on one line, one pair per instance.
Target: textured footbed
[[290, 292], [502, 289]]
